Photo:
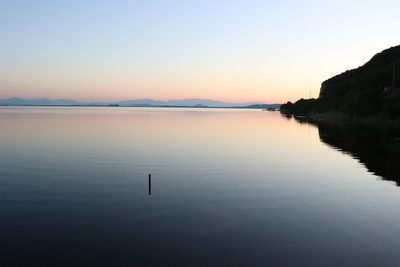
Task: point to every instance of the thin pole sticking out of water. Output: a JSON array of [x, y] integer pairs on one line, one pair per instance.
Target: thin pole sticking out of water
[[149, 184], [394, 75]]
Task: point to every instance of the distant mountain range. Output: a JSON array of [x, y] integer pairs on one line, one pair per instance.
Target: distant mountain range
[[192, 102]]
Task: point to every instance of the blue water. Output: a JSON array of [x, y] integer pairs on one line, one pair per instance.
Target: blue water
[[229, 188]]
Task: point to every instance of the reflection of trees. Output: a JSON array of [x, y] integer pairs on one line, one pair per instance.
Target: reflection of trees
[[377, 147]]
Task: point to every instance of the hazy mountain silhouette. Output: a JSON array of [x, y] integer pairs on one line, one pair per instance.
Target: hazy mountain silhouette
[[38, 101], [192, 102]]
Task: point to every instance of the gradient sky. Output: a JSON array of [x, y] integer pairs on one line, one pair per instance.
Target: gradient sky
[[269, 51]]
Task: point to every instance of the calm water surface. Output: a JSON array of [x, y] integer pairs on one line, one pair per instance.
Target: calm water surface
[[229, 188]]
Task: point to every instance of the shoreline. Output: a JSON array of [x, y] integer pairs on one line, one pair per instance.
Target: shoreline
[[103, 106], [338, 117]]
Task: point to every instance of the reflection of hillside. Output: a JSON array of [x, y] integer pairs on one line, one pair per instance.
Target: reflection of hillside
[[376, 147]]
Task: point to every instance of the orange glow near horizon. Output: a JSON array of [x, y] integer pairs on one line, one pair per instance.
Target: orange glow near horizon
[[246, 85], [234, 52]]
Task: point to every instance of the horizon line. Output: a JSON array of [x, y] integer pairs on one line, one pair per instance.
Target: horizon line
[[135, 99]]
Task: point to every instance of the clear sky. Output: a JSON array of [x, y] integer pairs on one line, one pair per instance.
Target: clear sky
[[248, 50]]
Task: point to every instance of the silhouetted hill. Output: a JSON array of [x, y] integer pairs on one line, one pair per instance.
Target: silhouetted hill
[[370, 90]]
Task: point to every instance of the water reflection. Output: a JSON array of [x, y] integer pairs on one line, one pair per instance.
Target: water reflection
[[377, 147], [233, 188]]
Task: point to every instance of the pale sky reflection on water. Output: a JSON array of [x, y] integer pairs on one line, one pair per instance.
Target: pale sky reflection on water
[[223, 180]]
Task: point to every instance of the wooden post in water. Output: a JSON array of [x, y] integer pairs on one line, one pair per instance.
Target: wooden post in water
[[149, 184]]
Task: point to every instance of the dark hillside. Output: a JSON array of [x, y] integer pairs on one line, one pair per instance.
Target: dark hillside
[[370, 90]]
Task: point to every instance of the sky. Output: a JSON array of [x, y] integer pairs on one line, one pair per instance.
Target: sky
[[228, 50]]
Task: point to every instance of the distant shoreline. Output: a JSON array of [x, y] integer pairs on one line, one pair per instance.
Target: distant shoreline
[[177, 103], [138, 106], [342, 117]]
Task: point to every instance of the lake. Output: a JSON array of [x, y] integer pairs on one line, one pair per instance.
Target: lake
[[229, 187]]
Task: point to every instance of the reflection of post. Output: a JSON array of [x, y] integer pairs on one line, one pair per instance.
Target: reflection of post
[[149, 184]]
